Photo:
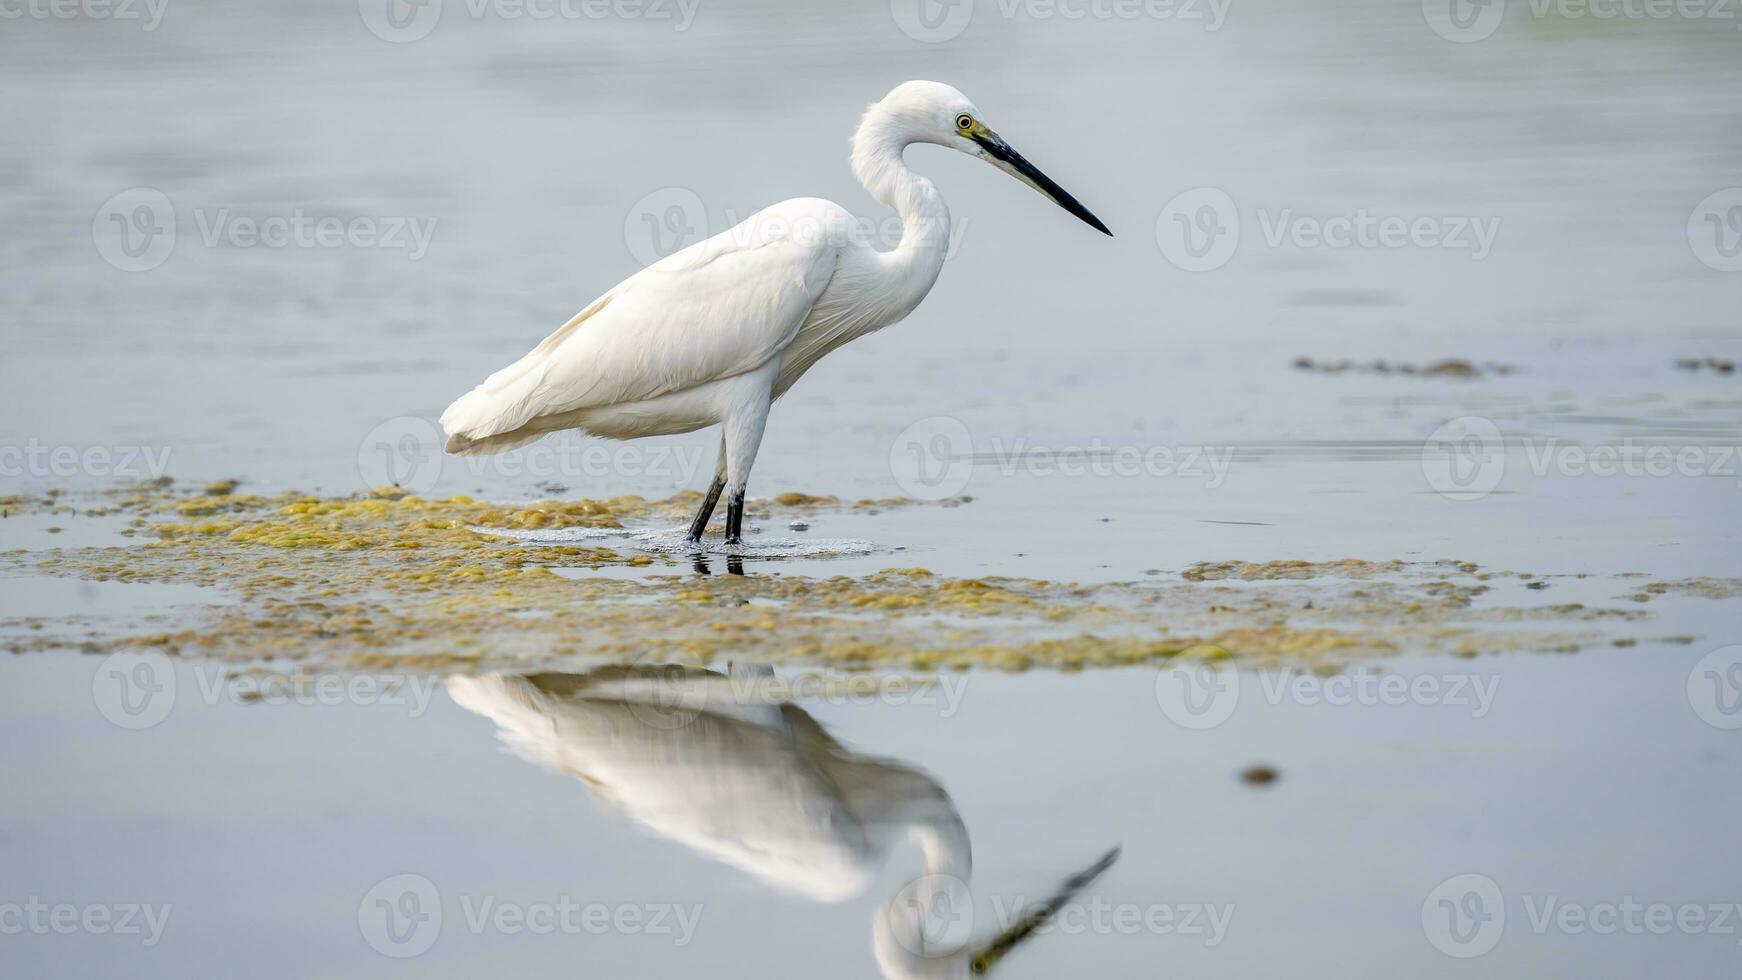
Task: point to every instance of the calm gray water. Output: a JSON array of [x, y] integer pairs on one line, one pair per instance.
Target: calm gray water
[[1567, 185], [264, 828], [527, 151]]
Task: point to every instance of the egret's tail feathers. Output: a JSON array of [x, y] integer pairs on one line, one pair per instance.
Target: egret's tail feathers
[[462, 445], [499, 414], [504, 403]]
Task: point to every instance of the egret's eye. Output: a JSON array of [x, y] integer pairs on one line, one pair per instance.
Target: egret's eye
[[964, 122]]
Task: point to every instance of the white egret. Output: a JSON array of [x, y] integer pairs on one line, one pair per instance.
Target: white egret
[[722, 766], [718, 331]]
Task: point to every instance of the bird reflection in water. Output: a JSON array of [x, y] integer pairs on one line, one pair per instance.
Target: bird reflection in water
[[718, 763]]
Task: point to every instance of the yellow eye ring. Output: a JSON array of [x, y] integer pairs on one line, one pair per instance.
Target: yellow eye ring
[[964, 122]]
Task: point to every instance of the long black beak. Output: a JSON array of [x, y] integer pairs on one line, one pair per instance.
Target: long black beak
[[1005, 158], [1004, 942]]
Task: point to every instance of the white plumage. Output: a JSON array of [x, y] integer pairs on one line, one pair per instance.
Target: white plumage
[[717, 310], [716, 332], [723, 765], [754, 782]]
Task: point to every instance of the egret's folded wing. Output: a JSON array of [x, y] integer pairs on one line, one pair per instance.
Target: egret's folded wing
[[717, 309]]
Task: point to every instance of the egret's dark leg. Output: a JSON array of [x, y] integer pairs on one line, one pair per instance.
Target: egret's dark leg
[[706, 510], [735, 518], [711, 498]]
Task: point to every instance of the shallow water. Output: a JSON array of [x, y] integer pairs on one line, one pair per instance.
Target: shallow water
[[1110, 416], [265, 827]]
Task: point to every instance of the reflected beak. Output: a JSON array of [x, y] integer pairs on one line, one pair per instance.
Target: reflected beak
[[1005, 158], [1001, 945]]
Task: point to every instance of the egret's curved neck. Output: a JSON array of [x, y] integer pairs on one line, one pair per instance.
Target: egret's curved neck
[[905, 934], [944, 841], [925, 220]]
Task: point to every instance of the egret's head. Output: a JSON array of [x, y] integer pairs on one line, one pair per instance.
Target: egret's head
[[925, 931], [932, 112]]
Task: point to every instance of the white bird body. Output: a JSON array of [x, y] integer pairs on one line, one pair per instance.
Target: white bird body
[[725, 766], [716, 332], [755, 784], [779, 290]]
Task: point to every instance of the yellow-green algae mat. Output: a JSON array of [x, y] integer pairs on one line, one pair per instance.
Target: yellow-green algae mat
[[390, 580]]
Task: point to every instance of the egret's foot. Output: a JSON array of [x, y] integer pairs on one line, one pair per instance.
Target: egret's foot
[[699, 523], [735, 518]]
